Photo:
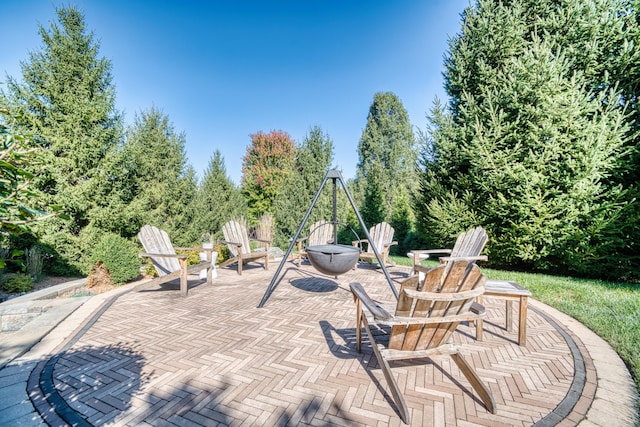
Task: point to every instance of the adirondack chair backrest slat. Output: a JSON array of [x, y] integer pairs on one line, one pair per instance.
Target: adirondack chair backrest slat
[[381, 234], [470, 243], [264, 230], [320, 233], [454, 276], [156, 241], [235, 232]]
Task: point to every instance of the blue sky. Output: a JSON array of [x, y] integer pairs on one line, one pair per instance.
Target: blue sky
[[222, 70]]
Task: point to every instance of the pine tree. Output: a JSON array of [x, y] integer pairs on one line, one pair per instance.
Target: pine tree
[[403, 219], [387, 143], [312, 161], [529, 147], [68, 100], [162, 185], [219, 200], [372, 210]]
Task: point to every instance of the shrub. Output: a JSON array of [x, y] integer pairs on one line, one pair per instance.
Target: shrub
[[223, 252], [119, 256], [62, 252], [148, 269], [17, 282], [193, 256]]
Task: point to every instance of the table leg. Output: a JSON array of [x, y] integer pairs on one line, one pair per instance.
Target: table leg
[[522, 326]]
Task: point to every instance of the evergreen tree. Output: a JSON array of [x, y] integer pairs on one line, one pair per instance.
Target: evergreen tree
[[312, 161], [372, 210], [162, 185], [387, 145], [219, 200], [67, 99], [531, 143], [403, 219]]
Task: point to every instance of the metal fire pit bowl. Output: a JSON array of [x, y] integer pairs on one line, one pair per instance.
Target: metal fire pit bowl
[[333, 259]]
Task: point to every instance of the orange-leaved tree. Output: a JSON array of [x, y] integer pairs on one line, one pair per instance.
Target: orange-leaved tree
[[266, 165]]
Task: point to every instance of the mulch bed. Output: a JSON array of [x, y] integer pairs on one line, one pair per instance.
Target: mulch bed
[[97, 282]]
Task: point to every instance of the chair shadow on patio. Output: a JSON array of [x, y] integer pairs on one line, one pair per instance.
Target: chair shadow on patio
[[173, 285], [368, 361]]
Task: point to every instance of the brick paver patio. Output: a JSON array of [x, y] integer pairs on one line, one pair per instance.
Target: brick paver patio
[[151, 357]]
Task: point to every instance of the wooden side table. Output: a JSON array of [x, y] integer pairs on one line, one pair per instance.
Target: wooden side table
[[509, 291]]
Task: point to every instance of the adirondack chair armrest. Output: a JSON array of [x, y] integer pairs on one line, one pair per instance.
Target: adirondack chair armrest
[[268, 242], [374, 308], [149, 255], [444, 296], [465, 258], [418, 268], [226, 242], [401, 320], [388, 245], [417, 252], [200, 249]]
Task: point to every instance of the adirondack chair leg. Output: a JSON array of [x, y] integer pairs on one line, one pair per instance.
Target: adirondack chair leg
[[477, 384], [210, 269], [228, 262], [240, 264], [183, 277], [299, 255], [401, 405], [389, 260], [358, 325]]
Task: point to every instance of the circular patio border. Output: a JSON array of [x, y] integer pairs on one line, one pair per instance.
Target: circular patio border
[[566, 405], [41, 386]]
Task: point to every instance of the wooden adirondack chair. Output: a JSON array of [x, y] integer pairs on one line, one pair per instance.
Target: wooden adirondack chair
[[320, 233], [469, 244], [238, 242], [382, 237], [426, 315], [167, 263], [264, 231]]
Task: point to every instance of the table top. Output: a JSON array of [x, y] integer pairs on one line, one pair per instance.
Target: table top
[[421, 256], [505, 287]]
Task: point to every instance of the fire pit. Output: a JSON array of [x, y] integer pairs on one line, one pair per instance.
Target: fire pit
[[333, 259]]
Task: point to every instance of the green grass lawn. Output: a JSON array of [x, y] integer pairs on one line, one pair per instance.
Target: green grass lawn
[[610, 309]]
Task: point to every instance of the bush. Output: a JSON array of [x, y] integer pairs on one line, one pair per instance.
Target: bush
[[17, 282], [193, 256], [148, 269], [223, 252], [119, 256]]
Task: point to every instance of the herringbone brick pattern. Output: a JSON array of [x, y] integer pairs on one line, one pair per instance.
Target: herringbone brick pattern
[[213, 358]]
